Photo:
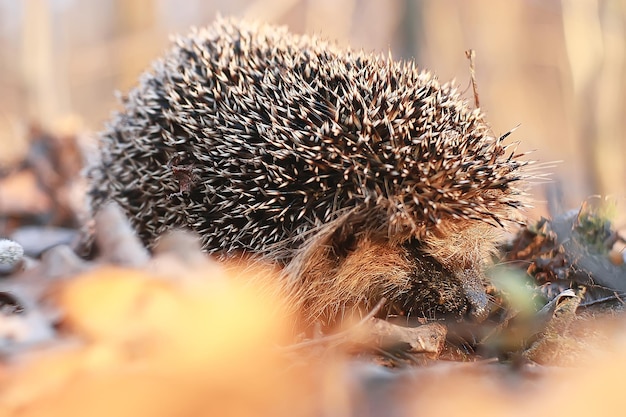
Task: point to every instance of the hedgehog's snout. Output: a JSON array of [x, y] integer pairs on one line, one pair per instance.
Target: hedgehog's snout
[[477, 299], [479, 305]]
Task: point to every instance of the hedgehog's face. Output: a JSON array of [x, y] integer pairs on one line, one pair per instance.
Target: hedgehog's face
[[418, 284], [448, 269], [434, 277], [439, 287]]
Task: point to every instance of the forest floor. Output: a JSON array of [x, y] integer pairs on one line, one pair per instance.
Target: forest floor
[[127, 332]]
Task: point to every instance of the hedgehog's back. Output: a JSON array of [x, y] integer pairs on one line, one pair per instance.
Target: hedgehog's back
[[253, 137]]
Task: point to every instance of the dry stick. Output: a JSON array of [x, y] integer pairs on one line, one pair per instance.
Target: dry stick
[[471, 54], [340, 335]]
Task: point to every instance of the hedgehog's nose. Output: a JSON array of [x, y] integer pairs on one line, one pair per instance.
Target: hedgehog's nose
[[479, 305], [476, 297]]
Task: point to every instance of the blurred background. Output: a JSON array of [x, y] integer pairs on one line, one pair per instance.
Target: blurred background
[[555, 68]]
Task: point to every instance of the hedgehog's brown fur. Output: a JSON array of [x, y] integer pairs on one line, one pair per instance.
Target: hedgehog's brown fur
[[362, 176]]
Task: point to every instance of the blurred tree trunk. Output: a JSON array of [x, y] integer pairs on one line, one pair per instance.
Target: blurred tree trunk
[[42, 61], [133, 18], [410, 33], [595, 33]]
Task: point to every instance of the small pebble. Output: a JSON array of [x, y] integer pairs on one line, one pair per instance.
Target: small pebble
[[10, 252]]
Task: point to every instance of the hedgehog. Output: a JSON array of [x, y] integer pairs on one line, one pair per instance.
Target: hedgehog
[[362, 177]]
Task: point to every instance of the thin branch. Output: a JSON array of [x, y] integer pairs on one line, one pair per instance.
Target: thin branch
[[338, 336], [471, 55]]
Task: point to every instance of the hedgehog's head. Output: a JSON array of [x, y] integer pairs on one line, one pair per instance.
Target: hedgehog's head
[[448, 267], [351, 268]]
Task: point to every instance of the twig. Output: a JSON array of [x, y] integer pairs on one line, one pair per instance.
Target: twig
[[471, 55], [338, 336]]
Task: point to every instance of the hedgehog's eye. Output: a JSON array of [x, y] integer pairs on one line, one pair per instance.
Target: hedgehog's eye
[[343, 244], [413, 245]]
